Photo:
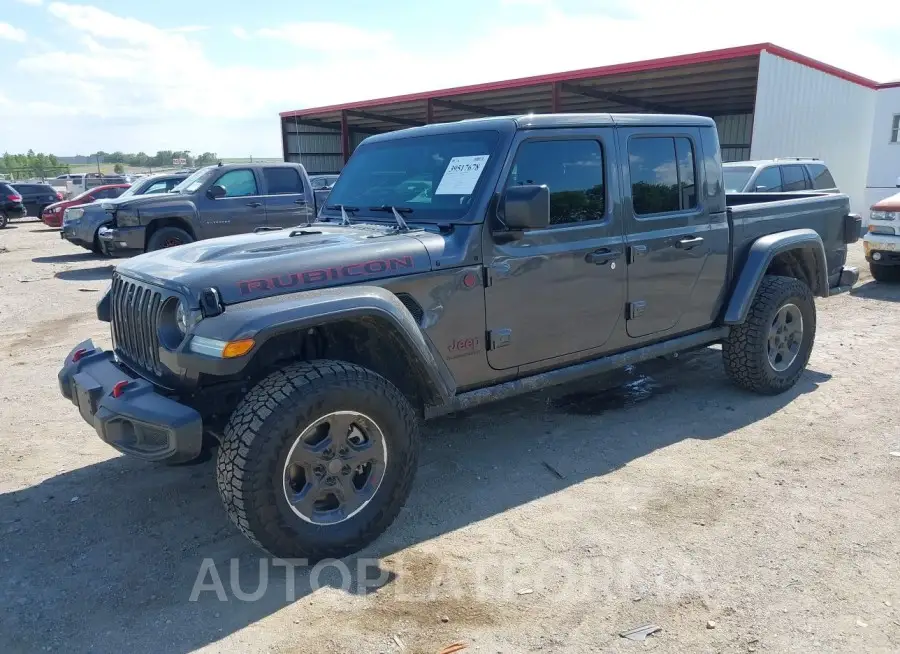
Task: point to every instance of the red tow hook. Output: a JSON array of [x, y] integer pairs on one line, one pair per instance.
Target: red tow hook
[[119, 388], [79, 354]]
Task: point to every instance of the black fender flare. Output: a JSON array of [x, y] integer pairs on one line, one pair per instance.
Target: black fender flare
[[762, 252], [267, 318]]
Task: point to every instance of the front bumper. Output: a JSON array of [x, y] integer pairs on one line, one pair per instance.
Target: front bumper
[[122, 240], [140, 422], [882, 249]]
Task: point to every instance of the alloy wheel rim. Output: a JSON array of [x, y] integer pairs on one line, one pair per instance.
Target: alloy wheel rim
[[785, 337], [334, 468]]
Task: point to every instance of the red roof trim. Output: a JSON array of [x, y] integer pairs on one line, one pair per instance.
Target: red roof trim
[[603, 71], [890, 85]]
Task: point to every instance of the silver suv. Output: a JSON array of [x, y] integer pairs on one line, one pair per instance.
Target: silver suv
[[787, 175]]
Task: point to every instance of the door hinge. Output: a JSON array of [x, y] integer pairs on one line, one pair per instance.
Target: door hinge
[[635, 251], [497, 338], [487, 276], [635, 309]]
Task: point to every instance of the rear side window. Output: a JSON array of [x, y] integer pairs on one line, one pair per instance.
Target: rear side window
[[794, 179], [663, 177], [821, 178], [768, 181], [572, 170], [283, 181]]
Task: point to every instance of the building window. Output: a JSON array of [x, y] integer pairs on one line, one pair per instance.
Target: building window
[[895, 130]]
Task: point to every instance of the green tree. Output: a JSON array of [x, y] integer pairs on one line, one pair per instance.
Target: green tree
[[118, 169]]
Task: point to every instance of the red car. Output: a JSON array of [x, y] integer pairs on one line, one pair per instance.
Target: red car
[[53, 214]]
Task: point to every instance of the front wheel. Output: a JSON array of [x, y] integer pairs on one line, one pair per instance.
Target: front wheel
[[769, 351], [883, 273], [318, 459], [168, 237]]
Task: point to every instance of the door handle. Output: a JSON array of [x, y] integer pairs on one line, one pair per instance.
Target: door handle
[[254, 204], [601, 257], [688, 243], [299, 201]]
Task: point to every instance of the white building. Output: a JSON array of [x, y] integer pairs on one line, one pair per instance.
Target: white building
[[767, 101]]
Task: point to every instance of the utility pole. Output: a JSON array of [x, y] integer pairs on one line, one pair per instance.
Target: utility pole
[[98, 164]]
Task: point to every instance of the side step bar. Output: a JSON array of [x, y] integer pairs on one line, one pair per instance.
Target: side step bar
[[471, 399]]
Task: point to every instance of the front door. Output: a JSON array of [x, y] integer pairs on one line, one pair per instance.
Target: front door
[[559, 290], [242, 209], [286, 203], [667, 231]]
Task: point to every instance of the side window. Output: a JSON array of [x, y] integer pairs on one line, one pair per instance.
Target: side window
[[895, 129], [238, 183], [317, 183], [572, 170], [663, 174], [116, 192], [156, 187], [820, 176], [768, 181], [794, 179], [283, 181]]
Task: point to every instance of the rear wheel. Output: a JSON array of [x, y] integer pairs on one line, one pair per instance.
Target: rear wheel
[[4, 220], [168, 237], [318, 459], [769, 351], [883, 273]]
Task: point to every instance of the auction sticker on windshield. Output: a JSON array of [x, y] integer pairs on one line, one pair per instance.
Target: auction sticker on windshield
[[461, 175]]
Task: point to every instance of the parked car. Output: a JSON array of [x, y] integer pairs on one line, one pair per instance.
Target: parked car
[[10, 204], [882, 240], [52, 215], [212, 201], [81, 223], [37, 196], [321, 185], [312, 354], [791, 175]]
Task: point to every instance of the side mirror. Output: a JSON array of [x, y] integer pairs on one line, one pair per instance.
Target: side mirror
[[525, 207], [760, 189], [216, 191]]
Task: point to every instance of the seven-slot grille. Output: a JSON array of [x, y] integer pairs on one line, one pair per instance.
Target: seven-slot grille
[[135, 315]]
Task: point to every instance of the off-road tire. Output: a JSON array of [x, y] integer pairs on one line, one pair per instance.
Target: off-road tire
[[4, 220], [165, 235], [261, 431], [883, 273], [745, 351]]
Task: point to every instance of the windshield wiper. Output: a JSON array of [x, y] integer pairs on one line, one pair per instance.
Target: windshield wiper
[[345, 220], [401, 224]]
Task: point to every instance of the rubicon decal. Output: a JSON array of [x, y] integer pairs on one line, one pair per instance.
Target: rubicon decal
[[320, 275]]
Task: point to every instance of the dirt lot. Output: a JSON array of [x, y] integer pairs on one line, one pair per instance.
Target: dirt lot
[[550, 523]]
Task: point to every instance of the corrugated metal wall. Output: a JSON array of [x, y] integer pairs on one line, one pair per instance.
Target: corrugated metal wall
[[317, 148], [803, 112], [735, 133]]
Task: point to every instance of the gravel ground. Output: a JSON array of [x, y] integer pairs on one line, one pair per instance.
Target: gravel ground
[[549, 523]]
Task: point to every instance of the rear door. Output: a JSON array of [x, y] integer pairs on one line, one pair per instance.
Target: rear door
[[666, 231], [286, 199], [242, 209]]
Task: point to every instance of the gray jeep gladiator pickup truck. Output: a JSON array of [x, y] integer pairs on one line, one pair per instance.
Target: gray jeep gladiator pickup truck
[[213, 201], [454, 265]]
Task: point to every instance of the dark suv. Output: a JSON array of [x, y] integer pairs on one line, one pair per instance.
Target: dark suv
[[791, 175], [37, 196], [10, 204]]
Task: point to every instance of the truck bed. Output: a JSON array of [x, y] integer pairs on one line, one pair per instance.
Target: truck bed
[[751, 215]]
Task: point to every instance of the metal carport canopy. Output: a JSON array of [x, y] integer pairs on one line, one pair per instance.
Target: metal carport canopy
[[712, 83]]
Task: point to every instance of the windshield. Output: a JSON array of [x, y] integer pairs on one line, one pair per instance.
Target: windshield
[[436, 177], [84, 194], [736, 177], [193, 181]]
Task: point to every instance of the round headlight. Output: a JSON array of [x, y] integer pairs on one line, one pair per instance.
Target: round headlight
[[181, 318]]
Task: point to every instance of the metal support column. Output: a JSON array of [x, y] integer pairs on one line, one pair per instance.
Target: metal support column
[[429, 112], [556, 103], [345, 137]]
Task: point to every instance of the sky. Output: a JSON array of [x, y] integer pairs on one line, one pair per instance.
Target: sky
[[212, 75]]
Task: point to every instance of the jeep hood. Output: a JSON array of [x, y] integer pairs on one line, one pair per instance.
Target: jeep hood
[[251, 266]]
